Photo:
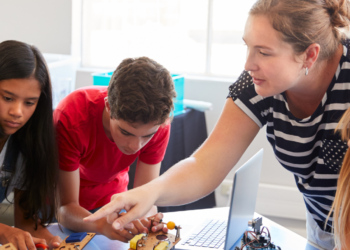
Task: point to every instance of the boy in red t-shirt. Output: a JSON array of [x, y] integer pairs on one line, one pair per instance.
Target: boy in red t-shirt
[[101, 131]]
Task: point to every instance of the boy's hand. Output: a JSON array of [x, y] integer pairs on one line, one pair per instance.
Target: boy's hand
[[125, 234], [156, 225]]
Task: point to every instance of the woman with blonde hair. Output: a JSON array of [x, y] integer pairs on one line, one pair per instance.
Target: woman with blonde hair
[[341, 204], [297, 83]]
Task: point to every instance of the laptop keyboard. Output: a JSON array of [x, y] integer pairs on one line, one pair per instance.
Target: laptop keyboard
[[211, 234]]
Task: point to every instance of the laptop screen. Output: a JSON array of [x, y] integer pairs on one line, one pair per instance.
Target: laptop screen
[[243, 199]]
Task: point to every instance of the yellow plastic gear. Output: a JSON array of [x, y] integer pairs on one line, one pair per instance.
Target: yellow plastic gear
[[170, 225]]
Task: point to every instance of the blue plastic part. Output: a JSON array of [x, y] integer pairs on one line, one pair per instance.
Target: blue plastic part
[[102, 79], [122, 211], [76, 237]]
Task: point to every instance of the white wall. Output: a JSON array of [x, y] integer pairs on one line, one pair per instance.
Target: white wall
[[44, 23]]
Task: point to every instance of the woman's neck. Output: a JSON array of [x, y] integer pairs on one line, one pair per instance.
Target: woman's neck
[[304, 101]]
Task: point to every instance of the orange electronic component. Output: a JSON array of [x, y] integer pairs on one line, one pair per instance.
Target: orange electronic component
[[170, 225]]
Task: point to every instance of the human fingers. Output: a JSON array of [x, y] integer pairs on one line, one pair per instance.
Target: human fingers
[[146, 222], [132, 230], [159, 227], [113, 207], [157, 224], [140, 228], [38, 240], [129, 226], [27, 243], [133, 214], [112, 217], [157, 219], [55, 242], [125, 234], [116, 236]]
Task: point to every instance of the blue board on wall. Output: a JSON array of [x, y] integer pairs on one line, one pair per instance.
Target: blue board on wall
[[102, 79]]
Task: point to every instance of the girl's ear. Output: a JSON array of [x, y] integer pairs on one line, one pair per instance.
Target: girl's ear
[[108, 108], [311, 54]]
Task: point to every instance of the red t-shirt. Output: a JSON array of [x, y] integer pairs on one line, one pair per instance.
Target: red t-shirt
[[83, 144]]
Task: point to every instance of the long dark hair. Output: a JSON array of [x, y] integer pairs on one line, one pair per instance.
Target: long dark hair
[[36, 139]]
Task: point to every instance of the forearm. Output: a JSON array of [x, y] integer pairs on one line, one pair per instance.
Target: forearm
[[186, 181], [201, 173], [71, 216]]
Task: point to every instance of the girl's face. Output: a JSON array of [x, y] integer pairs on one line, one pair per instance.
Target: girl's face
[[271, 62], [18, 100]]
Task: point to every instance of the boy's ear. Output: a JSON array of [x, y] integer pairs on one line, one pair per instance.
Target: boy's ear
[[108, 108]]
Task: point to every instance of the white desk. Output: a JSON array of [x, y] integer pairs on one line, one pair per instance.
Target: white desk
[[280, 236]]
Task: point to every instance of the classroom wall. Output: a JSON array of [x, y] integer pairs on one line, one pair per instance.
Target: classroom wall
[[46, 24]]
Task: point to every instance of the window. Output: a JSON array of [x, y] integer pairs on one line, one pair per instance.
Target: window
[[186, 36]]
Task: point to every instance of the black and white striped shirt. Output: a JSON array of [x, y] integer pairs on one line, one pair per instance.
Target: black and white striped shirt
[[306, 147]]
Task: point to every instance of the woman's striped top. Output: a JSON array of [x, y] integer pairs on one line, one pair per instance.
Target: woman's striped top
[[308, 147]]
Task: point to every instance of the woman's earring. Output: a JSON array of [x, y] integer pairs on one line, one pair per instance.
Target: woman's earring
[[306, 71]]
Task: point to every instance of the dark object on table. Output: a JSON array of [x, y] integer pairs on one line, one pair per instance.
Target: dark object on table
[[259, 238]]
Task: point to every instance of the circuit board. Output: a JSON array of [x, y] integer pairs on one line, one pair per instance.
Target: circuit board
[[156, 240], [152, 240], [8, 246], [77, 245]]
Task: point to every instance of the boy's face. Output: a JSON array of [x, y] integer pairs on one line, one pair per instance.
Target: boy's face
[[130, 138]]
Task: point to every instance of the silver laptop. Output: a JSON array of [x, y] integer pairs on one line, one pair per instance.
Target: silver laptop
[[211, 234]]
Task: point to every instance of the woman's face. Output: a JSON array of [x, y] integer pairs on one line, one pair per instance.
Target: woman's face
[[18, 100], [271, 62]]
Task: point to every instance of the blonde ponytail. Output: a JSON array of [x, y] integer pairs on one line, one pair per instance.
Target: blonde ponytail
[[341, 204]]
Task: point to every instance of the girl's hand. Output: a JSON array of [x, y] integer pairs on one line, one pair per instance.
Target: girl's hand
[[20, 239], [125, 234], [55, 242]]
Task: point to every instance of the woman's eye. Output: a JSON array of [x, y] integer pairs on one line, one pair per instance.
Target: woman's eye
[[30, 103], [7, 98], [263, 54]]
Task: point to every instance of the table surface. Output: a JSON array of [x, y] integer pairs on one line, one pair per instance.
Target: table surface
[[280, 236]]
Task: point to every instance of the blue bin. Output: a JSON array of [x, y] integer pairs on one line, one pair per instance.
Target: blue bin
[[102, 79]]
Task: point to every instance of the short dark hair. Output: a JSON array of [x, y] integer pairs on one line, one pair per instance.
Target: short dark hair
[[36, 139], [141, 91]]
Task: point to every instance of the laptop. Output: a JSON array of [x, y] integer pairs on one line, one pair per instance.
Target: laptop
[[211, 233]]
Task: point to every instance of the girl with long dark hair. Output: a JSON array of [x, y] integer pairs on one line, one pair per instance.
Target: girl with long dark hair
[[28, 157]]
